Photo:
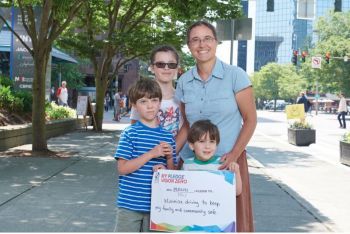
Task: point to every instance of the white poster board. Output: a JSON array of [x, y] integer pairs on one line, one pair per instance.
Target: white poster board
[[193, 201], [82, 105]]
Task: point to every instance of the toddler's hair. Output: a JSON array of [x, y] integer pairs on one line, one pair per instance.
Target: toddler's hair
[[202, 127], [144, 88]]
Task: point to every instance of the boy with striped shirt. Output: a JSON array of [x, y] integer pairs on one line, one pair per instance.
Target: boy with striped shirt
[[142, 146]]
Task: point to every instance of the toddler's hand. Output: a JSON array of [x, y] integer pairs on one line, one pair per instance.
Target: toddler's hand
[[234, 167]]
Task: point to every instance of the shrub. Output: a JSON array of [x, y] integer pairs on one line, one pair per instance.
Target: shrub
[[5, 97], [346, 137], [6, 81], [27, 100], [300, 125], [17, 102], [53, 111]]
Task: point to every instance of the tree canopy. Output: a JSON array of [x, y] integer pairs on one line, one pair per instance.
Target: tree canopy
[[131, 28], [333, 32], [275, 81]]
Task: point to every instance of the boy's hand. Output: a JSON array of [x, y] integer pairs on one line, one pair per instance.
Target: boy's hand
[[167, 150], [158, 167], [163, 149]]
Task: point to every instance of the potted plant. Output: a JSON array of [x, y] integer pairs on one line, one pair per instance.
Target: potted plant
[[301, 133], [345, 149]]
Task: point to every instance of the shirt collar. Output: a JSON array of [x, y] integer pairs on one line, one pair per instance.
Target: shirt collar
[[218, 71], [212, 159]]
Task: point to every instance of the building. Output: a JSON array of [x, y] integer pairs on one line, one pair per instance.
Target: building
[[278, 31]]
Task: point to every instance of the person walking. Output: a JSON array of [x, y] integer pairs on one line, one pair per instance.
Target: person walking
[[223, 94], [342, 111], [62, 94], [117, 109], [303, 100], [106, 102]]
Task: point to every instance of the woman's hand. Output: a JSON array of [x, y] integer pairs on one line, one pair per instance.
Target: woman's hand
[[226, 160]]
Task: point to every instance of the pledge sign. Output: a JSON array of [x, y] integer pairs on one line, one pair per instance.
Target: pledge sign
[[200, 201]]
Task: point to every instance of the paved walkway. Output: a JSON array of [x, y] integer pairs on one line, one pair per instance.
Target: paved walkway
[[77, 194]]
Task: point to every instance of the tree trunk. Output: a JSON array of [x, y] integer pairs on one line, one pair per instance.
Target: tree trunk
[[101, 86], [39, 142]]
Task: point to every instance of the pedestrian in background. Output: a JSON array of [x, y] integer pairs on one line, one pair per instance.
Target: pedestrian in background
[[303, 100], [117, 108], [106, 102], [223, 94], [142, 146], [342, 111], [62, 94]]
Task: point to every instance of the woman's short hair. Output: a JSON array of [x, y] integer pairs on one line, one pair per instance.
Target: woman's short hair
[[164, 48], [201, 128], [144, 88], [201, 23]]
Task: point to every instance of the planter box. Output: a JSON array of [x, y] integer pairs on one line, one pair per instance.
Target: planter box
[[21, 135], [345, 153], [301, 137]]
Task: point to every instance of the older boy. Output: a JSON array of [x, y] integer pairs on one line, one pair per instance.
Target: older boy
[[142, 146]]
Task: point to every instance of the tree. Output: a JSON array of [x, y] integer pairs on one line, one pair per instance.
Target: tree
[[275, 81], [55, 16], [131, 28], [334, 37]]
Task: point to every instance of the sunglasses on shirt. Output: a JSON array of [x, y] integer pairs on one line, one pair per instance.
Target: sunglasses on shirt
[[162, 65]]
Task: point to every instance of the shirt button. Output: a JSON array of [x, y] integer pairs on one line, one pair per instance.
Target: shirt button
[[201, 99], [200, 112]]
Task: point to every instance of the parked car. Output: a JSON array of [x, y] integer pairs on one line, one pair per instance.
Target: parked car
[[280, 105]]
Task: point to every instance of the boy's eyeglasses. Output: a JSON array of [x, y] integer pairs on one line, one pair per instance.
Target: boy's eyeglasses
[[162, 65]]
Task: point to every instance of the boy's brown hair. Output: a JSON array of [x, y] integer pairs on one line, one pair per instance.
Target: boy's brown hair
[[202, 127], [144, 88]]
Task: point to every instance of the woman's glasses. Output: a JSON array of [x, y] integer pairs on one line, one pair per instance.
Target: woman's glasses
[[162, 65], [206, 40]]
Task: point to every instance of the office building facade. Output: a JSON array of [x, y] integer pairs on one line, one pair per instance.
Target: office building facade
[[279, 31]]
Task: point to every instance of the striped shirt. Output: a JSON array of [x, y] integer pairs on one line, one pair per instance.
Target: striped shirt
[[135, 188]]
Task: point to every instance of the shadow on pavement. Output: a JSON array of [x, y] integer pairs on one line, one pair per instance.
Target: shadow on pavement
[[277, 207]]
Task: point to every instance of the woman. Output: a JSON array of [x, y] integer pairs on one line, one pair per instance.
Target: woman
[[223, 94]]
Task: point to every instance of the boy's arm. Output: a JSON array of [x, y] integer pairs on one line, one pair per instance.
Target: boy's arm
[[129, 166]]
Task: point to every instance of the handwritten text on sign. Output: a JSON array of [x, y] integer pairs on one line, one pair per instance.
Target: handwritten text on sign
[[193, 201]]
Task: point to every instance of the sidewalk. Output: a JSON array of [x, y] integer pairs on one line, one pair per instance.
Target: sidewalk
[[312, 176], [77, 194]]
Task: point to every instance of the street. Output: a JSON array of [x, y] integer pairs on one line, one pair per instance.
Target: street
[[311, 175]]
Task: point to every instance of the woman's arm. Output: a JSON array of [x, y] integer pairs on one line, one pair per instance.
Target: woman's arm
[[246, 105]]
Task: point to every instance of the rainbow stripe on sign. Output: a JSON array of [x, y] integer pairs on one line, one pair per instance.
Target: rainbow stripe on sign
[[194, 228]]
